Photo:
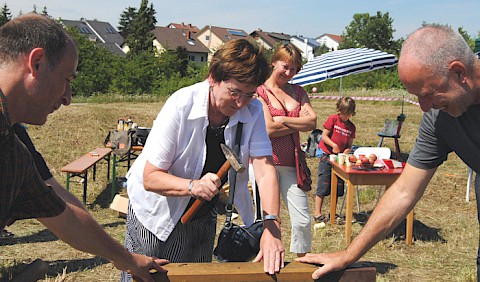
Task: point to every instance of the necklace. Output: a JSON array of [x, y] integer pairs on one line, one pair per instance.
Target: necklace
[[217, 130]]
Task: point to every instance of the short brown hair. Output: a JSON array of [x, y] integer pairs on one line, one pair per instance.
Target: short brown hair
[[241, 60], [346, 105], [288, 53], [24, 33]]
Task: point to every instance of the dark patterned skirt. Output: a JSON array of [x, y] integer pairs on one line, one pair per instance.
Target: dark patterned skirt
[[192, 242]]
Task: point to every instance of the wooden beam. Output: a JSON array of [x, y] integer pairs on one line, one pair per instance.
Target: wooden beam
[[249, 271]]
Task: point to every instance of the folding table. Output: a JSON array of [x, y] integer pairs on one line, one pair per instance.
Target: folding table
[[383, 176]]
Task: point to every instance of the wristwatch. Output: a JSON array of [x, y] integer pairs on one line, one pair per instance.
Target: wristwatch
[[272, 217]]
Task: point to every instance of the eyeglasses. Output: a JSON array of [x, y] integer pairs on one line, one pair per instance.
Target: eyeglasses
[[235, 94]]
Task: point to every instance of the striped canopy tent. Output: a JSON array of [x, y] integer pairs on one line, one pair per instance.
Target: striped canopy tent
[[337, 64]]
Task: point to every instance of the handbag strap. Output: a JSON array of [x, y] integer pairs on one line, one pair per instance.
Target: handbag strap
[[233, 178], [257, 206], [233, 181]]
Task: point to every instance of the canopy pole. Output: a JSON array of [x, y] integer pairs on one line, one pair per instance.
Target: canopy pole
[[340, 86]]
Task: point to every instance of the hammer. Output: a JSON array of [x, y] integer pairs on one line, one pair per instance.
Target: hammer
[[232, 161]]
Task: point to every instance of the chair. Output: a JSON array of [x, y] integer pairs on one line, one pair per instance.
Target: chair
[[392, 129], [382, 153]]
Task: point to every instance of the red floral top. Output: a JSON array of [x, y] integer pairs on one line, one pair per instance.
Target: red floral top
[[283, 147]]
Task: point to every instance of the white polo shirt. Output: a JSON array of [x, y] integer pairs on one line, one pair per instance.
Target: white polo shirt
[[176, 143]]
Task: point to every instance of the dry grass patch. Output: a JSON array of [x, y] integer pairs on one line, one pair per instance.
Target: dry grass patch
[[445, 229]]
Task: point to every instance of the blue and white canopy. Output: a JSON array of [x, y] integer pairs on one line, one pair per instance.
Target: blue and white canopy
[[341, 63]]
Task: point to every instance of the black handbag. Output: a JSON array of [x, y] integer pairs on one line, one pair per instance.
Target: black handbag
[[238, 243]]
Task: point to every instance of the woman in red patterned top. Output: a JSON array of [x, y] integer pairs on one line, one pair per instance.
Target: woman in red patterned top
[[288, 111], [337, 137]]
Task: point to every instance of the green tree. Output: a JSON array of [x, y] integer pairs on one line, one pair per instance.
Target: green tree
[[374, 32], [321, 50], [140, 37], [181, 64], [95, 67], [136, 74], [5, 15], [468, 39], [126, 19]]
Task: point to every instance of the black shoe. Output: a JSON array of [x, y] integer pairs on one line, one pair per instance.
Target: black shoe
[[319, 219]]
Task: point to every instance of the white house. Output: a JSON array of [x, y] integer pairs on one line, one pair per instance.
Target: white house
[[306, 45], [330, 40]]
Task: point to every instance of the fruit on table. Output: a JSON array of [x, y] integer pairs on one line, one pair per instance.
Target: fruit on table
[[364, 160], [372, 158], [352, 159]]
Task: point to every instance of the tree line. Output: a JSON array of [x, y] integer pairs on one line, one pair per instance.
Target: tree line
[[144, 71]]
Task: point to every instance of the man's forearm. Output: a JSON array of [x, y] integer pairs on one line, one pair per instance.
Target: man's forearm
[[392, 208], [76, 227], [63, 193]]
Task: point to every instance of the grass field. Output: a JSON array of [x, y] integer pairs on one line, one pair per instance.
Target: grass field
[[445, 228]]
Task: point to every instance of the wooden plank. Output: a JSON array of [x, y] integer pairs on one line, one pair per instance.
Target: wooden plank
[[83, 163], [249, 271]]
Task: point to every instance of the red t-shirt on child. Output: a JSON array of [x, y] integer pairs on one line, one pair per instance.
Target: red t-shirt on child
[[340, 133]]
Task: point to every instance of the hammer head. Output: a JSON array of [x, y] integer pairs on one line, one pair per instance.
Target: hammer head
[[233, 158]]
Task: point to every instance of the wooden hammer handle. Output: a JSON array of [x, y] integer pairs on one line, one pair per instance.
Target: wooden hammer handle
[[199, 202]]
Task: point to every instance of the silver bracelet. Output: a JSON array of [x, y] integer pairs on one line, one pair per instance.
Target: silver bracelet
[[190, 189], [272, 217]]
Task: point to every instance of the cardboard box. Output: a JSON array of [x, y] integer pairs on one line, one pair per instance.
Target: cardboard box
[[120, 204], [392, 163]]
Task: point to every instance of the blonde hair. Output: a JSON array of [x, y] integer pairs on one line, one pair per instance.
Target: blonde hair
[[288, 53]]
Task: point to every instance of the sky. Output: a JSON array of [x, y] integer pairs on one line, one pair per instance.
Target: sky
[[310, 18]]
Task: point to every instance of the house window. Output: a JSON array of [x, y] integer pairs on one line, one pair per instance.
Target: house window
[[110, 30], [84, 30], [207, 37], [201, 59], [191, 58], [236, 32]]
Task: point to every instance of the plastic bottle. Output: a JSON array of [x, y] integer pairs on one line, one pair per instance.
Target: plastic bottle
[[120, 125]]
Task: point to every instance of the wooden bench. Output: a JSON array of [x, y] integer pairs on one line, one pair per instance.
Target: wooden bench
[[80, 166], [249, 271]]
